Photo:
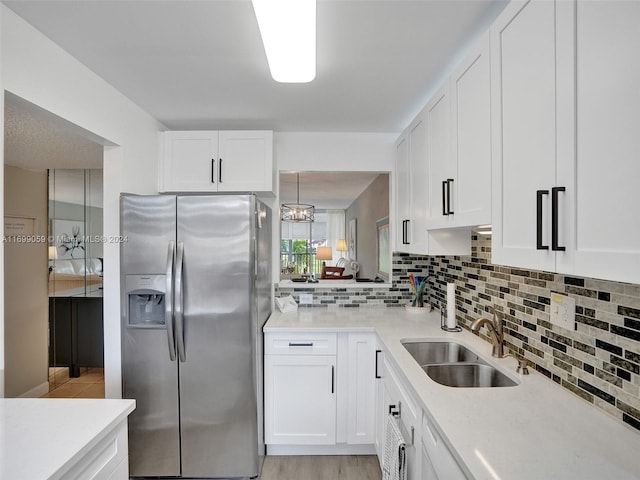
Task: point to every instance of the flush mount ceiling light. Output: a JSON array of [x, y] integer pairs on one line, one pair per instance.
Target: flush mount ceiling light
[[288, 30], [297, 212]]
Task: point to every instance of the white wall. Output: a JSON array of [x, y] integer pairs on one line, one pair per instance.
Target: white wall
[[34, 68], [329, 152]]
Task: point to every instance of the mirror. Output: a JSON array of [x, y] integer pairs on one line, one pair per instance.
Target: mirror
[[349, 207]]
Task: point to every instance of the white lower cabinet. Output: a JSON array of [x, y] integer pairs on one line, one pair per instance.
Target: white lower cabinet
[[396, 397], [360, 369], [107, 460], [319, 390], [437, 461], [300, 399], [428, 457]]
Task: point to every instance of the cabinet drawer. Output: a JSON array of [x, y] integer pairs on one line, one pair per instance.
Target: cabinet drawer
[[303, 343]]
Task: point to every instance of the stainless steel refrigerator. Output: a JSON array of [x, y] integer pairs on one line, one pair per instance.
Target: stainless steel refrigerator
[[195, 287]]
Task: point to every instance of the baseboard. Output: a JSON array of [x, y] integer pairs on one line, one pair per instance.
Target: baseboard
[[342, 449], [37, 391]]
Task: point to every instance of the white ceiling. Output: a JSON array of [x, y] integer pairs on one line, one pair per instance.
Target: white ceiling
[[36, 139], [201, 64], [324, 190]]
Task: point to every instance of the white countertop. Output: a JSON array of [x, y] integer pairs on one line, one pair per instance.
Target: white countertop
[[536, 430], [42, 438]]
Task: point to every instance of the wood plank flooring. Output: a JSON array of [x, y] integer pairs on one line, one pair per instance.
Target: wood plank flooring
[[321, 467]]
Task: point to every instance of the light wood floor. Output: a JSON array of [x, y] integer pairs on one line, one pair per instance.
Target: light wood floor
[[321, 467]]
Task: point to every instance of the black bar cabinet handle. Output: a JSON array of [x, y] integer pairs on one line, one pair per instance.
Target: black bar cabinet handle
[[444, 198], [306, 344], [539, 195], [220, 171], [554, 219], [377, 374], [405, 232], [449, 185], [213, 170], [333, 376]]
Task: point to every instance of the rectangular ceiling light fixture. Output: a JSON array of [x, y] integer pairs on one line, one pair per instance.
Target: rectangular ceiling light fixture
[[288, 29]]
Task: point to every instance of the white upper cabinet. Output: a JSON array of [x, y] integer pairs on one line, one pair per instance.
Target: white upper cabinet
[[412, 190], [403, 194], [459, 143], [565, 117], [438, 113], [209, 161], [607, 166], [523, 77], [471, 134]]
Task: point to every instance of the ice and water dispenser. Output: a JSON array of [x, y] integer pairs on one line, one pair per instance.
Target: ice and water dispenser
[[145, 300]]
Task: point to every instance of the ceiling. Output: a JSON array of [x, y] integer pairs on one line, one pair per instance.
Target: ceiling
[[324, 190], [201, 64], [35, 139]]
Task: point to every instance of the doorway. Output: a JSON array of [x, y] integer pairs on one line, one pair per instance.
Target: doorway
[[37, 142]]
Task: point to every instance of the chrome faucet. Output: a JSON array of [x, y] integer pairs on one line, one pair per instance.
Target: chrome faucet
[[495, 331]]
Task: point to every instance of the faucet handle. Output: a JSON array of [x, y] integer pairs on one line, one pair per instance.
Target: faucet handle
[[522, 364]]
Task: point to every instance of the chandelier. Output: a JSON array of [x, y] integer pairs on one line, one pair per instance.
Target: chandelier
[[297, 212]]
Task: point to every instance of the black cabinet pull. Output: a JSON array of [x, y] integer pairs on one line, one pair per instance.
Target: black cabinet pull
[[297, 344], [377, 374], [405, 232], [449, 184], [539, 195], [220, 171], [554, 219], [333, 376], [213, 170], [444, 197]]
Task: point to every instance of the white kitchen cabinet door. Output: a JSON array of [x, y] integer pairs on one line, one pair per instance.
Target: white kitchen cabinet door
[[410, 418], [607, 161], [440, 463], [471, 119], [361, 374], [189, 162], [523, 82], [300, 399], [403, 195], [380, 414], [441, 168], [419, 167], [245, 161], [211, 161]]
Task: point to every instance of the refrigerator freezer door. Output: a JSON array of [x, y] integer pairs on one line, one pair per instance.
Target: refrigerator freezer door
[[149, 375], [217, 387]]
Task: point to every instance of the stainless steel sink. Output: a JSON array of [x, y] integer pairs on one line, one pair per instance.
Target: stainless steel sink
[[468, 375], [435, 352]]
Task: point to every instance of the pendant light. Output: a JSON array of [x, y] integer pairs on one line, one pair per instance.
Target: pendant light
[[297, 212]]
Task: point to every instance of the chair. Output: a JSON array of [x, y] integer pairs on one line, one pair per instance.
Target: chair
[[334, 273]]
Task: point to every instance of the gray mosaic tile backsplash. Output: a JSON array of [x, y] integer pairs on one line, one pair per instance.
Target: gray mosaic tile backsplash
[[598, 361]]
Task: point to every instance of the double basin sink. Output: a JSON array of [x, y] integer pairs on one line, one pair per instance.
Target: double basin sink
[[454, 365]]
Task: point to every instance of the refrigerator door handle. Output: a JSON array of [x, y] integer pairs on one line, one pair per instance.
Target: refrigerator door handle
[[168, 301], [179, 303]]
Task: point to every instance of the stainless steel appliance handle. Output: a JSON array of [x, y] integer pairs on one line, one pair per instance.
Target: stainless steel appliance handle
[[179, 303], [168, 301]]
